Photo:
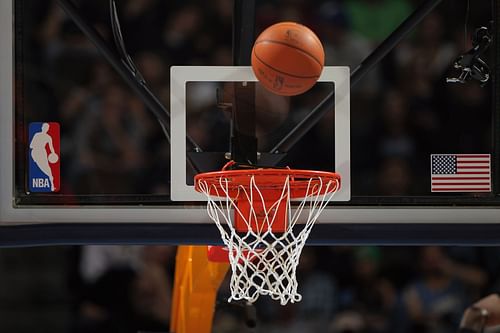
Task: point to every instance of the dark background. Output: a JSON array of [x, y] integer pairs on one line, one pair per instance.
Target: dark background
[[402, 112]]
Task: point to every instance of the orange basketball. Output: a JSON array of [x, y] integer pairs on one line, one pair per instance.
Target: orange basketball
[[288, 58]]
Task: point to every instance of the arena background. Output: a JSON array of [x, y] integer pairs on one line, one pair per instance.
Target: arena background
[[345, 289]]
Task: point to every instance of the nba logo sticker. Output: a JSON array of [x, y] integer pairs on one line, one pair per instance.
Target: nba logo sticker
[[44, 157]]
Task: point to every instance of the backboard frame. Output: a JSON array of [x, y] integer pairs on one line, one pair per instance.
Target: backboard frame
[[28, 226], [181, 75]]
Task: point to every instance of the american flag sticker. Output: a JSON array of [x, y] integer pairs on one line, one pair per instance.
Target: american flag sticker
[[460, 173]]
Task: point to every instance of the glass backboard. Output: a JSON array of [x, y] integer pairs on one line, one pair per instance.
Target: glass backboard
[[419, 155]]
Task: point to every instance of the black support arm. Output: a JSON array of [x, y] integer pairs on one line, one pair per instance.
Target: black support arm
[[134, 83], [368, 64]]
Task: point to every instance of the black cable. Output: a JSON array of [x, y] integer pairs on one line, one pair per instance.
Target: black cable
[[129, 63]]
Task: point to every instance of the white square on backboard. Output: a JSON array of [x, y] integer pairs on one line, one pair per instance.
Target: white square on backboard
[[180, 75]]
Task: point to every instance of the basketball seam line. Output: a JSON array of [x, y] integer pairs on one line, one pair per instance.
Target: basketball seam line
[[291, 23], [293, 47], [279, 71]]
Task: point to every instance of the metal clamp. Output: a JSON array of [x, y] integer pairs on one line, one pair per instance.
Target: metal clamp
[[470, 64]]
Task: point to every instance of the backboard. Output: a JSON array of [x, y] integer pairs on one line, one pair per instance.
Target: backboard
[[274, 113], [419, 156]]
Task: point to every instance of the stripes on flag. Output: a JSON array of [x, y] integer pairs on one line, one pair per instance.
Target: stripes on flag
[[460, 173]]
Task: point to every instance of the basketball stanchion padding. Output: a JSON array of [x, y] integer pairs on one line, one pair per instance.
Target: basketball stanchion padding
[[254, 213]]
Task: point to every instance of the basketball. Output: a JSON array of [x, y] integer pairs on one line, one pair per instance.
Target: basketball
[[53, 158], [288, 58]]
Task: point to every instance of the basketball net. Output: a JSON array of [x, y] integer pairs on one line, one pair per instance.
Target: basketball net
[[253, 212]]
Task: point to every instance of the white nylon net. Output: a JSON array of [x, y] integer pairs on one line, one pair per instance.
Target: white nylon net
[[264, 262]]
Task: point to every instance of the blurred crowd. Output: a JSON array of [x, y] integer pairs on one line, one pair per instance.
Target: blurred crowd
[[401, 112], [344, 290]]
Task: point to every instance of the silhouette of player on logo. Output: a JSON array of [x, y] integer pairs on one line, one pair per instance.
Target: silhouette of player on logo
[[39, 154]]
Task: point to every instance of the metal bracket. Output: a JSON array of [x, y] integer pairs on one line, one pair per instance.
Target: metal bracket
[[470, 64]]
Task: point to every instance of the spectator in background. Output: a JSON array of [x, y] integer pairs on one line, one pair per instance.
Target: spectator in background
[[435, 301], [339, 261], [481, 259], [345, 47], [348, 322], [423, 61], [65, 46], [126, 289], [153, 69], [97, 260], [319, 295], [485, 313], [376, 19], [183, 36], [395, 177], [318, 305], [464, 104], [429, 53], [111, 134], [395, 137], [370, 294], [140, 20]]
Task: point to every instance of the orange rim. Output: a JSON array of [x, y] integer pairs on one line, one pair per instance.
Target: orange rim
[[269, 181]]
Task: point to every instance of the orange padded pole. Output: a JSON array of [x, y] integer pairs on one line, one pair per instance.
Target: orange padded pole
[[196, 283]]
